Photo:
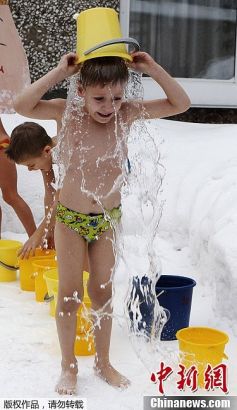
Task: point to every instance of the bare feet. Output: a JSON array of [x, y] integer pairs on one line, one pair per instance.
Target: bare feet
[[67, 383], [68, 379], [111, 376]]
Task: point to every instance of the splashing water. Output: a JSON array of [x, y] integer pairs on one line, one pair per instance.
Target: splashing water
[[140, 189], [143, 205]]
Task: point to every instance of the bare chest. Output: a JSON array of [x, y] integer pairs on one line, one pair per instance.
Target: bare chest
[[98, 148]]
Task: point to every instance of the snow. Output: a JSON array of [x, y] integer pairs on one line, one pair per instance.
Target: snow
[[196, 238]]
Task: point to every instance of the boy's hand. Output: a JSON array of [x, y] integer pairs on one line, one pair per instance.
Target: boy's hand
[[67, 65], [29, 247], [142, 62]]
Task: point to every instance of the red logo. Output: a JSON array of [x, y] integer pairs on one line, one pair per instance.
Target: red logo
[[214, 377]]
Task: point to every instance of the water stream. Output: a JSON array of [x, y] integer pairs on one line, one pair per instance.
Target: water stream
[[141, 189]]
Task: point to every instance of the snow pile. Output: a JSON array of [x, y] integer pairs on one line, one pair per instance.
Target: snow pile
[[200, 193], [196, 238]]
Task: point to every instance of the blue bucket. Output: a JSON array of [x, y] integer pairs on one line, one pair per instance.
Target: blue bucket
[[141, 291], [174, 293]]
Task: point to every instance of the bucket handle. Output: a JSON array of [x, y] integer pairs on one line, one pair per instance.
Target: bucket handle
[[127, 40], [48, 298], [224, 356], [5, 265]]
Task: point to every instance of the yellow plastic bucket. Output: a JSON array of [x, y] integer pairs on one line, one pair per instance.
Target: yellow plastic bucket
[[84, 345], [27, 279], [8, 259], [84, 321], [99, 35], [39, 267], [51, 279], [201, 346]]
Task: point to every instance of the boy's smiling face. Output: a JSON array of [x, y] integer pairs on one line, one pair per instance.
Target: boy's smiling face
[[102, 103]]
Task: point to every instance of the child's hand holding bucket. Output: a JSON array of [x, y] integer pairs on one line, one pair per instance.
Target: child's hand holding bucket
[[35, 241], [142, 62], [67, 65]]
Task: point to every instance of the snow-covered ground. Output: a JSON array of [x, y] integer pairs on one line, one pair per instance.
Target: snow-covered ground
[[196, 238]]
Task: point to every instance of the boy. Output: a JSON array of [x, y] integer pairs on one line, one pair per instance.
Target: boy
[[102, 84], [30, 145]]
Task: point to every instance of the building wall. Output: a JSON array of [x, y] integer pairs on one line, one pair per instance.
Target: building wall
[[48, 30]]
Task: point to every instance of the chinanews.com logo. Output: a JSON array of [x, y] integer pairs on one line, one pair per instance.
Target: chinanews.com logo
[[187, 402], [212, 378]]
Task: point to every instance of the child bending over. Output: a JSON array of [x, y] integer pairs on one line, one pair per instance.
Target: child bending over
[[30, 145]]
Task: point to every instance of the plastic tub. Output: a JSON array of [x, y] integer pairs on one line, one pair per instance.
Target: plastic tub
[[174, 293], [8, 259], [201, 346], [96, 26], [27, 279], [40, 266], [84, 345]]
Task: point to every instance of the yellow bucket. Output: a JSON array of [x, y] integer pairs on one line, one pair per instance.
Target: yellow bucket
[[99, 35], [8, 259], [27, 279], [51, 279], [84, 343], [83, 320], [201, 346], [39, 267]]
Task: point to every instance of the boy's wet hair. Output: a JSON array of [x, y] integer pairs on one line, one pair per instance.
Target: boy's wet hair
[[27, 141], [103, 71]]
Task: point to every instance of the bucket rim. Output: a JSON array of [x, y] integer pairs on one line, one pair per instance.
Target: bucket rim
[[10, 242], [190, 285], [46, 253], [42, 262], [124, 55], [220, 332], [93, 9], [49, 254]]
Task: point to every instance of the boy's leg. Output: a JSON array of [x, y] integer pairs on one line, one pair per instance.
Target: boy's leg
[[8, 185], [70, 248], [101, 258]]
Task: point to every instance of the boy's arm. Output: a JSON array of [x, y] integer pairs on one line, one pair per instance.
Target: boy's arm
[[49, 191], [49, 178], [177, 100], [46, 226], [29, 102]]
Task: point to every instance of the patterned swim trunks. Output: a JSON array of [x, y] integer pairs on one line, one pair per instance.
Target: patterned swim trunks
[[89, 226]]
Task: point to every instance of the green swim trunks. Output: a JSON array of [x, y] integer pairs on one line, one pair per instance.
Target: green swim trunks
[[89, 226]]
